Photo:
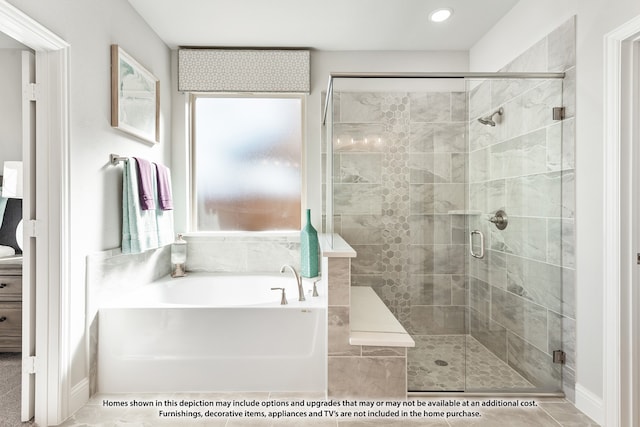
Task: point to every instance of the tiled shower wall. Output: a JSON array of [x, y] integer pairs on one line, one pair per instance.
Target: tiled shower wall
[[522, 294], [399, 184]]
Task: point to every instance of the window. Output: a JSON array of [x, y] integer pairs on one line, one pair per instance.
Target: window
[[246, 162]]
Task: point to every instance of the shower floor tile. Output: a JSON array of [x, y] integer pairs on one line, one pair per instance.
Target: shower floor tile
[[425, 370], [458, 363]]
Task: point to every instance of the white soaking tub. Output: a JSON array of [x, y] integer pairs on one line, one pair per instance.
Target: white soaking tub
[[214, 332]]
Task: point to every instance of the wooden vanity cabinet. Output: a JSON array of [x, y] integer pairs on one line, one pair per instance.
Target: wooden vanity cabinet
[[10, 309]]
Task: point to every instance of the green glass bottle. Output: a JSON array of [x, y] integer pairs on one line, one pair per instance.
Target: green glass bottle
[[308, 249]]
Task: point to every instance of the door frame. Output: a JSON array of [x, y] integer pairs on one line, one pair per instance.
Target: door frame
[[51, 228], [621, 226]]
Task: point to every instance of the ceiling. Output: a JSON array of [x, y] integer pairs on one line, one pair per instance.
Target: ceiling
[[321, 24]]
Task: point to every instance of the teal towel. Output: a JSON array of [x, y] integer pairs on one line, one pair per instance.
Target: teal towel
[[139, 228], [166, 236], [3, 205]]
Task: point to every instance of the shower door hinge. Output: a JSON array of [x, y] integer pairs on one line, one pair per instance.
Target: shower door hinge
[[558, 113], [559, 356]]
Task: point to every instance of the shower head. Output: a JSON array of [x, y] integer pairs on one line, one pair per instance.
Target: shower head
[[488, 120]]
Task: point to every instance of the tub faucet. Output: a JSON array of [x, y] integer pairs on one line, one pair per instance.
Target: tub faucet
[[283, 299], [298, 280]]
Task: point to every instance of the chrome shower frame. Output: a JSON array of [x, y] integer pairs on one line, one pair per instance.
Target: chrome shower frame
[[434, 75]]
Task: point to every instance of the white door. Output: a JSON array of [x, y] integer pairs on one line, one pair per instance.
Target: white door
[[28, 258]]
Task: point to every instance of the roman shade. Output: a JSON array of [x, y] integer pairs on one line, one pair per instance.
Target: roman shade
[[243, 70]]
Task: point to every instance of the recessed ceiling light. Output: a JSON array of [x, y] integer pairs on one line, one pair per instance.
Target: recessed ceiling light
[[440, 15]]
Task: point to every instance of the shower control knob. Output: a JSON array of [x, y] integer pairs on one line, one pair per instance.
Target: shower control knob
[[500, 219]]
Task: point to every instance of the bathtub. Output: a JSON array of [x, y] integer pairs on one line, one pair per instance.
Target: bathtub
[[214, 332]]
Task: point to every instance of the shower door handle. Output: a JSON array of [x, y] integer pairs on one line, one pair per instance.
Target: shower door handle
[[480, 254]]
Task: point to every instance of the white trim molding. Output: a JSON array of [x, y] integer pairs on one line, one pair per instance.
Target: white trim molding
[[22, 28], [620, 333], [53, 362], [79, 395], [590, 404]]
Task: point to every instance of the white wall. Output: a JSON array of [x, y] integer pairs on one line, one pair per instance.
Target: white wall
[[525, 24], [595, 19], [7, 42], [10, 106], [91, 26]]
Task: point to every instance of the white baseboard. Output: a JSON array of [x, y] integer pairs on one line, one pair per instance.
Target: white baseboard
[[590, 404], [79, 396]]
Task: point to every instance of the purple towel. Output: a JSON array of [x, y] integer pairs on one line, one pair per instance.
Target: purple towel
[[145, 184], [165, 199]]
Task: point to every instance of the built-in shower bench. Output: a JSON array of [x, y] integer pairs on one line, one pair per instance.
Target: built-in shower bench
[[372, 323], [367, 346]]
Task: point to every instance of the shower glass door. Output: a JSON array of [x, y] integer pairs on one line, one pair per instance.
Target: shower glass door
[[520, 200], [416, 170]]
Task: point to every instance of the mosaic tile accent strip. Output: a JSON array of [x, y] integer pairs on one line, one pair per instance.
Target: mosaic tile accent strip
[[399, 169]]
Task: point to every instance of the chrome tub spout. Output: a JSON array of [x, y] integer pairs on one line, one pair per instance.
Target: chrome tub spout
[[298, 280]]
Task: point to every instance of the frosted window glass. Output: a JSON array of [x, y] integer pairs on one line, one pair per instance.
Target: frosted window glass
[[247, 156]]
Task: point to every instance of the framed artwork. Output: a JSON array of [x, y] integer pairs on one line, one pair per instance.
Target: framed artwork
[[135, 97]]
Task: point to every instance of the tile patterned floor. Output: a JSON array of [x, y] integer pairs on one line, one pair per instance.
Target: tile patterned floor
[[551, 412], [469, 366]]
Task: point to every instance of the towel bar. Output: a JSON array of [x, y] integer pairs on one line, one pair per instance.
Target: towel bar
[[114, 159]]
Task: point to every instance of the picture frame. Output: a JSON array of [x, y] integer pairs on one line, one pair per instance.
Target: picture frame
[[135, 97]]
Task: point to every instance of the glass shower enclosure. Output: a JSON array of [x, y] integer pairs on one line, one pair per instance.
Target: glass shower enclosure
[[451, 189]]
